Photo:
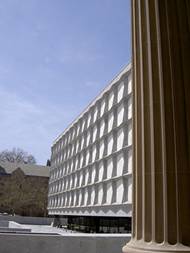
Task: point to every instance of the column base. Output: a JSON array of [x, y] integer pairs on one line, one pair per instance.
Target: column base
[[139, 246]]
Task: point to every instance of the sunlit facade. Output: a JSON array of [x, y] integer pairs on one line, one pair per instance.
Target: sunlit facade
[[92, 159]]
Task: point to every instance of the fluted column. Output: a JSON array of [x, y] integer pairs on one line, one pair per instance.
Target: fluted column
[[161, 126]]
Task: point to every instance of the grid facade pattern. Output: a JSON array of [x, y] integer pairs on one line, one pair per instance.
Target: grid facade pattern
[[92, 159]]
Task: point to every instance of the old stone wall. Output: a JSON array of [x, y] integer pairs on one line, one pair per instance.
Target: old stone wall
[[23, 195]]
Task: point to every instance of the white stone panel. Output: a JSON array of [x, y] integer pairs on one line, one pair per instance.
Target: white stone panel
[[80, 197], [93, 173], [75, 199], [68, 167], [120, 92], [65, 154], [78, 129], [110, 121], [110, 100], [68, 183], [81, 160], [102, 146], [69, 139], [76, 178], [62, 200], [110, 145], [73, 136], [120, 191], [62, 171], [61, 157], [130, 189], [73, 148], [70, 198], [76, 163], [93, 153], [129, 106], [109, 193], [66, 200], [129, 90], [77, 146], [59, 173], [60, 186], [130, 161], [87, 157], [120, 115], [86, 176], [101, 171], [103, 105], [71, 182], [89, 120], [54, 202], [88, 138], [109, 168], [85, 196], [83, 125], [70, 151], [130, 135], [81, 177], [102, 127], [92, 195], [72, 165], [94, 134], [95, 114], [120, 139], [82, 142], [58, 201], [100, 194]]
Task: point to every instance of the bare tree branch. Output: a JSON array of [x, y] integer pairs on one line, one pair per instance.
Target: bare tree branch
[[17, 155]]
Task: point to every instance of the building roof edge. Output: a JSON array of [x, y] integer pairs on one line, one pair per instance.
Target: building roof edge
[[124, 70]]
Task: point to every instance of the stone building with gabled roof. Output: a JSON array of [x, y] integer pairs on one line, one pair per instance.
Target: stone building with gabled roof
[[23, 188], [28, 169]]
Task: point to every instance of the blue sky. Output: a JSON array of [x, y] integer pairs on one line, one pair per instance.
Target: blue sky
[[56, 56]]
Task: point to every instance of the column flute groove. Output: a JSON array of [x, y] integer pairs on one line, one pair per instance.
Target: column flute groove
[[142, 125], [149, 49], [137, 215], [163, 137]]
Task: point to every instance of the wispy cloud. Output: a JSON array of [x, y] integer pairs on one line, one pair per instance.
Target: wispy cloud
[[30, 126], [79, 54]]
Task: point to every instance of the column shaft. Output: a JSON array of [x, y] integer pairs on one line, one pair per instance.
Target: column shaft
[[161, 125]]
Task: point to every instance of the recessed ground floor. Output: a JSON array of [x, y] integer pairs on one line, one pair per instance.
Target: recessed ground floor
[[94, 224]]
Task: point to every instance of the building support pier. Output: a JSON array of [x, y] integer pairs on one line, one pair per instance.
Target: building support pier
[[161, 126]]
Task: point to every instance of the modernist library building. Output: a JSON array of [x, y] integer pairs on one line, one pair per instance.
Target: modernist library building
[[91, 176]]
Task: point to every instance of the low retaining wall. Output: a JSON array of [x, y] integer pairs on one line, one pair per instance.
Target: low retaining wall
[[27, 220], [4, 223], [85, 243]]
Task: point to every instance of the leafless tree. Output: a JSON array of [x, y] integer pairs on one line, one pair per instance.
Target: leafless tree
[[17, 155]]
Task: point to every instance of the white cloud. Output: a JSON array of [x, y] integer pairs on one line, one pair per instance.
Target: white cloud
[[30, 126]]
